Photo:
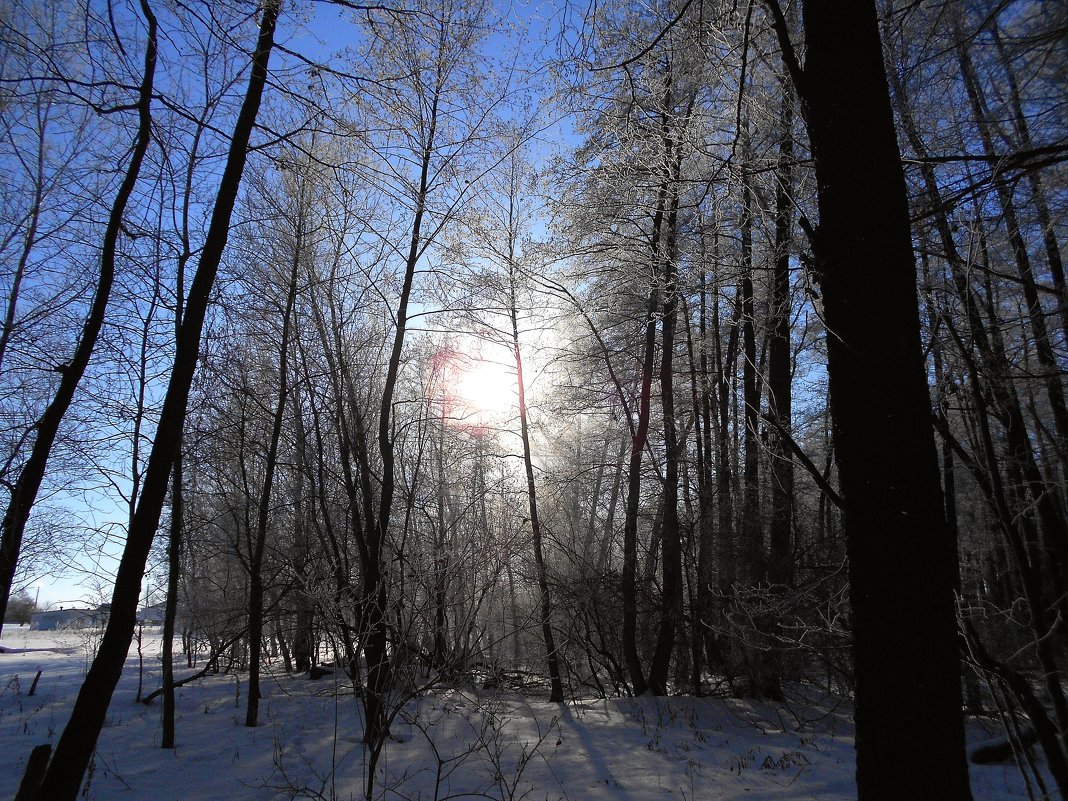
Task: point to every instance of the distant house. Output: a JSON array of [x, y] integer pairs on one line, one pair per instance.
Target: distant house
[[57, 619], [151, 615]]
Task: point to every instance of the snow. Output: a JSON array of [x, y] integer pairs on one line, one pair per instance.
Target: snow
[[461, 743]]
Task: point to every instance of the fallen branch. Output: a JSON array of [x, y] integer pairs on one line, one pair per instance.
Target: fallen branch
[[211, 663]]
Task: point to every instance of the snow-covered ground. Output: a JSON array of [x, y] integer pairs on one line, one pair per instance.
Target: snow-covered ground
[[474, 743]]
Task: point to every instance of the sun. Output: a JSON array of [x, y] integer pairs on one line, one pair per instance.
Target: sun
[[487, 389]]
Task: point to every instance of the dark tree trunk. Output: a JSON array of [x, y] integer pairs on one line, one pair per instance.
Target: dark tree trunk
[[634, 473], [779, 373], [75, 747], [438, 657], [556, 688], [375, 600], [671, 534], [589, 549], [263, 512], [725, 365], [170, 612], [303, 635], [174, 543], [604, 556], [905, 644], [701, 632], [752, 530]]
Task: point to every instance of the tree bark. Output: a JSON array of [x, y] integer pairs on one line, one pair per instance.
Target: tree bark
[[905, 644]]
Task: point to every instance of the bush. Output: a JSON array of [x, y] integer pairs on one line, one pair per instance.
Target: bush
[[20, 608]]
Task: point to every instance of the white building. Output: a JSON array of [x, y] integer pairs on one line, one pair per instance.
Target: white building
[[56, 619]]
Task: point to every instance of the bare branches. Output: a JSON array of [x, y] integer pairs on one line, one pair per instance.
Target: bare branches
[[649, 48]]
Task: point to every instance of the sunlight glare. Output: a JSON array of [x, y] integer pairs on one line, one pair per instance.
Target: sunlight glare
[[487, 388]]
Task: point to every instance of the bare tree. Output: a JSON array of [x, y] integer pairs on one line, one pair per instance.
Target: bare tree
[[65, 771]]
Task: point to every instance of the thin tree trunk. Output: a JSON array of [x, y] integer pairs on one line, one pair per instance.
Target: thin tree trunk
[[174, 543], [604, 558], [725, 366], [671, 587], [705, 512], [752, 534], [634, 474], [441, 558], [303, 619], [589, 542], [170, 612], [556, 691], [779, 373], [263, 512], [375, 602]]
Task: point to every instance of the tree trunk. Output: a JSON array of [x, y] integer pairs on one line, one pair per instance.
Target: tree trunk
[[779, 368], [725, 366], [671, 535], [701, 633], [556, 691], [259, 543], [905, 643], [752, 530], [174, 543], [640, 436], [303, 635], [375, 602]]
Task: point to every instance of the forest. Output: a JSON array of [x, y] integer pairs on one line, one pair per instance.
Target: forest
[[689, 348]]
